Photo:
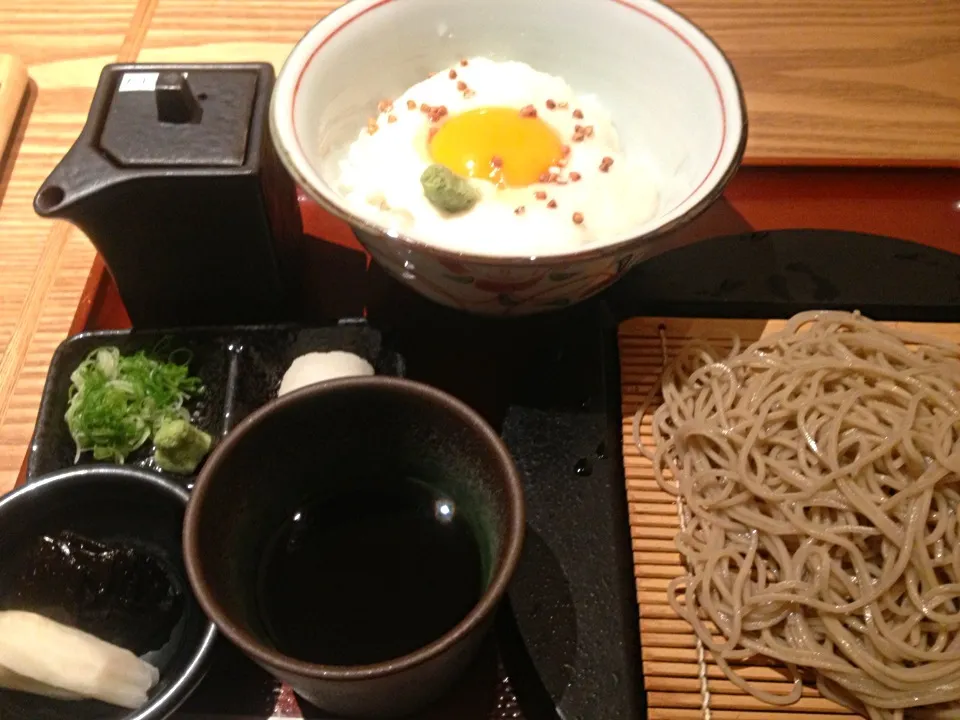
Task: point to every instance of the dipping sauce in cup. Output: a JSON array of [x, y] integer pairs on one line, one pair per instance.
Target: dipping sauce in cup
[[354, 538]]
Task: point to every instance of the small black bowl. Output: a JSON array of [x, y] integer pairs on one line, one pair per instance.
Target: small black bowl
[[322, 440], [107, 504]]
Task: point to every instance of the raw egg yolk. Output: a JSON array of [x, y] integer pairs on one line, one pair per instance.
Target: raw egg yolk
[[497, 144]]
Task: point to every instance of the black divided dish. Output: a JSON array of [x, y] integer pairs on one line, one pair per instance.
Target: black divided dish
[[240, 369]]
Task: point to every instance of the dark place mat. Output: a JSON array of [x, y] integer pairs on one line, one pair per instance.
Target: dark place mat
[[782, 272]]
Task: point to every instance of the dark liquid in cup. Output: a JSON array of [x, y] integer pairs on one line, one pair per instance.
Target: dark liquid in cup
[[369, 575]]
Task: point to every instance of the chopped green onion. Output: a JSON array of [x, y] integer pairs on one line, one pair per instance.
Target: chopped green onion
[[117, 402]]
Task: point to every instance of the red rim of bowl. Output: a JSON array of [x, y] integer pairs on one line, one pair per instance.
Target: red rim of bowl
[[601, 250], [509, 555]]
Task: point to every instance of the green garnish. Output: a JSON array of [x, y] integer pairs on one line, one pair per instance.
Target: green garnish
[[179, 446], [447, 191], [116, 402]]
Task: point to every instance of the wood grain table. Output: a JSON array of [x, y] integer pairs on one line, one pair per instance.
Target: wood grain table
[[824, 79]]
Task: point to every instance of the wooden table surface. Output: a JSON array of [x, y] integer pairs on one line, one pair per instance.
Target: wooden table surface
[[824, 79]]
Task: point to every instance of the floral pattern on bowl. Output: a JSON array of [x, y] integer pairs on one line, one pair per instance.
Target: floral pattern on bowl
[[492, 288]]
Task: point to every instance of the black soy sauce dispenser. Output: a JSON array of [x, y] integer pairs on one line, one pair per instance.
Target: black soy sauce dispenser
[[175, 180]]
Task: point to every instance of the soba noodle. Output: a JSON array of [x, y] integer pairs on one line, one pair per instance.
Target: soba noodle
[[817, 473]]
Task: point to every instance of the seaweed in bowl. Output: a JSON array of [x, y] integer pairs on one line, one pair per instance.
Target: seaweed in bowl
[[117, 402], [85, 619], [119, 591], [95, 611]]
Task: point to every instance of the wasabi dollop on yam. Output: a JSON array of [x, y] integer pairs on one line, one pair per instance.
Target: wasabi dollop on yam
[[317, 367], [43, 657], [447, 191]]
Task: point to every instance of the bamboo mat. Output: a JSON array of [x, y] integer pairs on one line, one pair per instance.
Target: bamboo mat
[[682, 682]]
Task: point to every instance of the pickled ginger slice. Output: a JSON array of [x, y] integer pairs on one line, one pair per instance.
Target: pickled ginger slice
[[47, 652], [12, 681]]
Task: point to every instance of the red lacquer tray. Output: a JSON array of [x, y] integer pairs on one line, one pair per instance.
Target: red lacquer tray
[[917, 203]]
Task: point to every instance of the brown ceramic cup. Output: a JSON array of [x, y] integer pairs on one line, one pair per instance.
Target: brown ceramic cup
[[257, 477]]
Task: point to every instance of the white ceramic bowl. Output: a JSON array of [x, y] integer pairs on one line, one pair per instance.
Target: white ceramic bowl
[[670, 91]]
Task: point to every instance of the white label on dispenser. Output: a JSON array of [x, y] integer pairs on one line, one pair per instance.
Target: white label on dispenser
[[139, 82]]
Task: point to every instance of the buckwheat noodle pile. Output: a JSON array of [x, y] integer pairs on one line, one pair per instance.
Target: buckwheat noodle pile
[[818, 479]]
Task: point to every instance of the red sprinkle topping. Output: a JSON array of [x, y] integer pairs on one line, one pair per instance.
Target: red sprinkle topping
[[528, 111], [578, 218], [580, 132], [578, 114], [411, 105], [540, 195], [520, 210], [574, 176], [552, 204], [605, 164], [452, 74], [551, 105], [435, 113]]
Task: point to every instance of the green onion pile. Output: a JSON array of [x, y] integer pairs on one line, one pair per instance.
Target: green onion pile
[[117, 402]]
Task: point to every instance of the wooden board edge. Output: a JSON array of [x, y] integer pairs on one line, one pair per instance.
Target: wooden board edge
[[13, 87]]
